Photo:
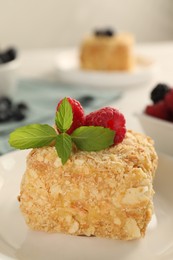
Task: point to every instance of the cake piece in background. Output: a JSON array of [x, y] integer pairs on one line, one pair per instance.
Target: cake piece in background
[[107, 51]]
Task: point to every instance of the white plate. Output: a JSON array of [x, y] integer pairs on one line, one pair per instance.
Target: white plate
[[68, 71], [18, 242], [161, 131]]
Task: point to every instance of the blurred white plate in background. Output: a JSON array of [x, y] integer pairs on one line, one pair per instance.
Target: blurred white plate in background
[[68, 71], [161, 131]]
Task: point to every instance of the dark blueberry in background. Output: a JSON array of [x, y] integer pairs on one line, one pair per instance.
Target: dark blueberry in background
[[8, 55], [5, 116], [1, 58], [159, 92], [10, 111], [86, 100], [5, 103], [109, 32], [12, 53], [104, 32], [18, 115], [22, 106], [98, 33], [4, 58]]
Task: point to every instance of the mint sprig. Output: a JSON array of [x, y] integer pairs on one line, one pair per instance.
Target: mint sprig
[[64, 116], [32, 136], [92, 138], [86, 138], [63, 146]]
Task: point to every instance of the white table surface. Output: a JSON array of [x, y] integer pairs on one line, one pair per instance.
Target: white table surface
[[39, 63]]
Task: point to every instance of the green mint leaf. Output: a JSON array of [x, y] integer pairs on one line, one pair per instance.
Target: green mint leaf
[[32, 136], [63, 146], [93, 138], [64, 116]]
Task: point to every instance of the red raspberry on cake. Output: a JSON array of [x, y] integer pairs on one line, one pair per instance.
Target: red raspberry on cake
[[78, 114], [109, 118], [169, 100], [158, 110]]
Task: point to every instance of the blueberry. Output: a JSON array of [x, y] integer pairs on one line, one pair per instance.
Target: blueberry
[[11, 53], [104, 32], [2, 117], [18, 115], [109, 32], [5, 109], [86, 100], [5, 116], [8, 55], [159, 92], [4, 58], [5, 103], [22, 106], [10, 111], [1, 58], [98, 33]]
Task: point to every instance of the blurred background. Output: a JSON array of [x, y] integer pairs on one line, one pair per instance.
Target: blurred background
[[55, 23], [39, 66]]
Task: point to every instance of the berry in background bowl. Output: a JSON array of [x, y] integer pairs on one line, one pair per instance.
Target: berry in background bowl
[[11, 111], [157, 118], [8, 71]]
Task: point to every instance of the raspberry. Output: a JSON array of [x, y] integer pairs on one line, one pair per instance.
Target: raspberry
[[110, 118], [78, 114], [159, 92], [169, 100], [158, 110]]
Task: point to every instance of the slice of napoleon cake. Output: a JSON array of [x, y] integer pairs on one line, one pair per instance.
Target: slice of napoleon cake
[[88, 175]]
